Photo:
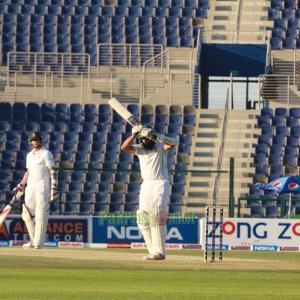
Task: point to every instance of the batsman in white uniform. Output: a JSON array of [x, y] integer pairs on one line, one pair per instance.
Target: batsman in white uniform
[[155, 189], [41, 180]]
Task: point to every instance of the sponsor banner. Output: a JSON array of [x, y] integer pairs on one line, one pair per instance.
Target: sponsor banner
[[138, 246], [71, 244], [95, 245], [289, 249], [167, 246], [191, 247], [241, 248], [59, 229], [4, 243], [251, 232], [117, 229], [173, 246], [51, 244], [217, 247], [269, 248], [17, 243], [118, 245]]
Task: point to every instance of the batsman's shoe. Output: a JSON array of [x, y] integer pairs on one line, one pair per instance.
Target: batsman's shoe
[[156, 256], [28, 246], [37, 247]]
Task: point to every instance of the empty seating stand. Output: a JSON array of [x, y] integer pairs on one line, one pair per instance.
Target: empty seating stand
[[276, 154], [91, 166], [74, 28]]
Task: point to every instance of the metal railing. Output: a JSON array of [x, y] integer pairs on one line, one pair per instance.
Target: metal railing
[[52, 75], [125, 55], [235, 36], [281, 89], [221, 148], [43, 62]]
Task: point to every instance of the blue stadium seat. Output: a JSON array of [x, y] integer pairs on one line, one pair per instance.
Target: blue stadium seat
[[287, 13], [257, 212], [89, 187], [5, 111], [295, 131], [95, 159], [272, 212], [278, 121], [80, 161], [121, 177], [160, 12], [179, 178], [278, 139], [288, 43], [276, 149], [291, 121], [176, 199], [77, 176], [71, 209], [281, 23], [261, 148], [276, 43], [104, 187], [8, 159], [289, 160], [274, 159], [100, 208], [294, 112], [46, 126], [292, 141], [86, 209], [106, 176], [282, 130], [278, 32], [130, 207], [178, 189]]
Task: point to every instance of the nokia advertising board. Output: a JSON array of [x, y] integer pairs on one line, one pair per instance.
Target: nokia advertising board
[[114, 229]]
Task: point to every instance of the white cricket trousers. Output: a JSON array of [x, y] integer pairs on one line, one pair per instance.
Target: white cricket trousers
[[154, 193], [37, 195]]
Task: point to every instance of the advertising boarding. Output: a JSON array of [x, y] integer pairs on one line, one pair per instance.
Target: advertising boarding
[[257, 234]]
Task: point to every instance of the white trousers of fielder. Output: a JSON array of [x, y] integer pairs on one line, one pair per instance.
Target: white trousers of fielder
[[36, 212]]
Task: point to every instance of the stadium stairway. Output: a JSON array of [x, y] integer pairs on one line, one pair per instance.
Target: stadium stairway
[[223, 25], [240, 137]]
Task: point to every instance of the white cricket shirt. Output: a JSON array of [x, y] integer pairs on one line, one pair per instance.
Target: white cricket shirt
[[38, 164], [153, 163]]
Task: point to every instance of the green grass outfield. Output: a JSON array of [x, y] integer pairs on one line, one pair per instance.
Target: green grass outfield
[[122, 274]]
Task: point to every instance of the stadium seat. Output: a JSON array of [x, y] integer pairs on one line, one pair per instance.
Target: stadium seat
[[71, 209], [257, 212], [86, 209]]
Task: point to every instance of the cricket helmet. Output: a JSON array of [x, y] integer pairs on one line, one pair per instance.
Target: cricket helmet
[[35, 136]]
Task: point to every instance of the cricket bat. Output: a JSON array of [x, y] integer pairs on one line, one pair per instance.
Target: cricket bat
[[123, 112], [7, 210], [129, 117]]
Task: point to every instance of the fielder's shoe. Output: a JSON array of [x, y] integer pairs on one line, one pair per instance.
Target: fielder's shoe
[[37, 247], [156, 256], [28, 246]]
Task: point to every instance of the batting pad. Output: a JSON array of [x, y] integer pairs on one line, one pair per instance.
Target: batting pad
[[40, 232], [158, 229], [144, 227], [29, 223], [158, 234]]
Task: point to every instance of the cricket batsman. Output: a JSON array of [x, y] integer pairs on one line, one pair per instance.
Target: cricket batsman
[[155, 189], [41, 180]]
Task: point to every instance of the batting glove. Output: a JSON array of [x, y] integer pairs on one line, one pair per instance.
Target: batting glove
[[136, 129], [18, 190], [147, 132], [54, 191]]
